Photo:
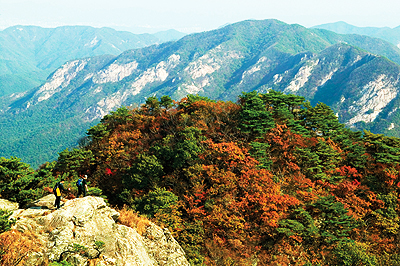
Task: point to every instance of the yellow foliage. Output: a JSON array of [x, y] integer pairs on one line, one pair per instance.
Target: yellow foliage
[[131, 219], [389, 225]]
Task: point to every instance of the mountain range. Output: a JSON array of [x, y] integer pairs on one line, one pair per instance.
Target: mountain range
[[357, 75], [29, 53], [391, 35]]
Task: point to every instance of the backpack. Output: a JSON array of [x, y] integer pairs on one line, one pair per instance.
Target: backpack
[[55, 189], [79, 182]]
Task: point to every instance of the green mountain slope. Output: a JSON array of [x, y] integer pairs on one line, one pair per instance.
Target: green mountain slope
[[346, 71], [28, 54]]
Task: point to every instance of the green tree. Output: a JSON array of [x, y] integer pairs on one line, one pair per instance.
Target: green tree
[[145, 173], [321, 120], [156, 201], [283, 107], [98, 132], [18, 181], [384, 149], [75, 161], [259, 151], [319, 161], [121, 116], [166, 102], [255, 119], [334, 222], [180, 150], [299, 223], [153, 105]]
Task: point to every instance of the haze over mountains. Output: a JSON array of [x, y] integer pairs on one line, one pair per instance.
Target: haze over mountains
[[29, 53], [385, 33], [358, 76]]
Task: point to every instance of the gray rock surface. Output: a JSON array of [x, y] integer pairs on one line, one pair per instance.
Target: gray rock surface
[[84, 231], [46, 202]]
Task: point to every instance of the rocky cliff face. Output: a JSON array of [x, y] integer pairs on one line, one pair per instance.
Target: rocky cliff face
[[84, 230]]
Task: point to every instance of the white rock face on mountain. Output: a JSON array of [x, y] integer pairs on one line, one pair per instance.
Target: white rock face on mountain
[[114, 72], [203, 66], [327, 77], [93, 42], [375, 96], [301, 77], [154, 74], [200, 70], [83, 222], [255, 68], [60, 79], [158, 73]]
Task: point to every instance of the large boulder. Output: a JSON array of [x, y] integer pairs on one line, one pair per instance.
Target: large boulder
[[8, 205], [84, 231], [46, 202]]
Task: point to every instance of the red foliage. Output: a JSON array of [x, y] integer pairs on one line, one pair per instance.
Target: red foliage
[[232, 209]]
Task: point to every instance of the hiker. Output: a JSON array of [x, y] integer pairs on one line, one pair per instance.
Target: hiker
[[82, 186], [57, 192]]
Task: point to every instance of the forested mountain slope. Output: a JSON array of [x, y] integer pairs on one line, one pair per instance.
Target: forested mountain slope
[[29, 53], [265, 181], [356, 75]]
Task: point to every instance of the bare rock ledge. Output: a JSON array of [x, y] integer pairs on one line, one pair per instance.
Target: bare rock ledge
[[87, 222]]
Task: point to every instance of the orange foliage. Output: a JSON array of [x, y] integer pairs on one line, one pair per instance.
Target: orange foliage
[[233, 198], [15, 246], [348, 171], [283, 145], [230, 211]]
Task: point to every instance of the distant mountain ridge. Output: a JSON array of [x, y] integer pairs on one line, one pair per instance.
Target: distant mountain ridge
[[391, 35], [358, 76], [30, 53]]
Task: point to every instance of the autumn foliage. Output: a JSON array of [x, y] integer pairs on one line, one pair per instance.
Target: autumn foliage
[[15, 247], [268, 180]]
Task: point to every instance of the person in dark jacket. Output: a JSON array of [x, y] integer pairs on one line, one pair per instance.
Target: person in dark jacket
[[58, 188], [82, 187]]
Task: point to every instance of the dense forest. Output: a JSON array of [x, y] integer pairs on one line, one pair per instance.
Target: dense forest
[[269, 180]]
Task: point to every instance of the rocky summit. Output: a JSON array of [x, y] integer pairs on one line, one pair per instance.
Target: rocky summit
[[84, 230]]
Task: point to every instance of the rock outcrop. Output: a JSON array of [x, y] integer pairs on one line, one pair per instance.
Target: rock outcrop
[[8, 205], [46, 202], [84, 230]]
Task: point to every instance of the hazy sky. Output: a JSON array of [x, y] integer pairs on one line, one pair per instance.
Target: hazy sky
[[192, 16]]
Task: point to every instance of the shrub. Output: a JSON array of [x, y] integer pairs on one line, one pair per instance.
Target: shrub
[[95, 191], [5, 222], [131, 219], [62, 263], [15, 247]]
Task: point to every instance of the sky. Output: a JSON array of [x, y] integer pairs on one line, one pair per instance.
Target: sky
[[194, 16]]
